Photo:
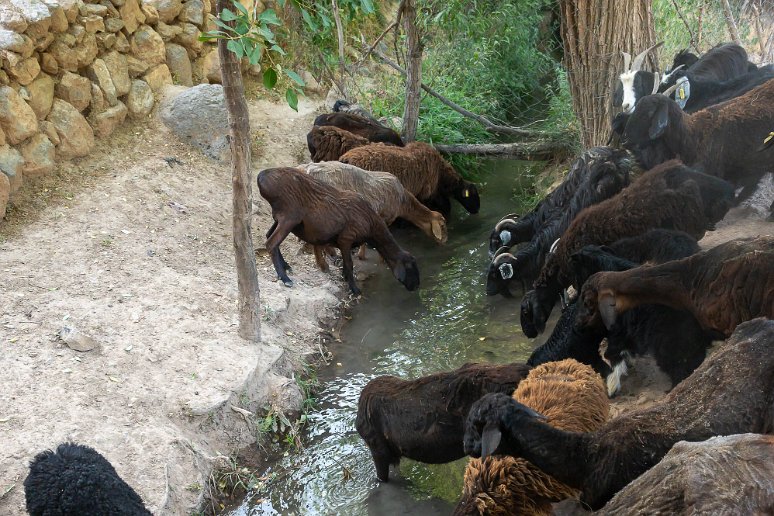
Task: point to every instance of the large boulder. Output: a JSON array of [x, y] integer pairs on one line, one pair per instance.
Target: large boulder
[[75, 134], [17, 119], [198, 117]]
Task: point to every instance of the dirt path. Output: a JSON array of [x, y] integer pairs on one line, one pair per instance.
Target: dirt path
[[138, 256]]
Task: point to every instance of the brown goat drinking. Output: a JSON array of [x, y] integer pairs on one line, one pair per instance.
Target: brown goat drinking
[[423, 419], [670, 196], [723, 475], [367, 128], [572, 397], [722, 287], [321, 214], [422, 170], [731, 392], [329, 143], [720, 140]]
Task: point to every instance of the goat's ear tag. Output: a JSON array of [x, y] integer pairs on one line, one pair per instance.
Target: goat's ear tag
[[683, 92], [505, 235], [466, 193], [767, 140], [506, 271]]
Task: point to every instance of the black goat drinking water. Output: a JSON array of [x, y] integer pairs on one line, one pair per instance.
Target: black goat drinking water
[[598, 174]]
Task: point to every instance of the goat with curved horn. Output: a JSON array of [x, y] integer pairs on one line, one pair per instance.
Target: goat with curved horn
[[640, 58]]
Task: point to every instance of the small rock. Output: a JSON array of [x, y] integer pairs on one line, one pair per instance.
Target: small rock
[[140, 99], [198, 117], [77, 340], [75, 134], [119, 72], [49, 130], [179, 64], [189, 38], [112, 12], [168, 32], [151, 14], [135, 66], [36, 15], [41, 95], [93, 23], [157, 77], [122, 44], [70, 8], [192, 12], [21, 70], [167, 9], [87, 50], [148, 46], [211, 67], [12, 19], [310, 82], [17, 119], [93, 10], [98, 72], [59, 21], [106, 40], [74, 89], [114, 24], [39, 155], [5, 194], [106, 122], [131, 15], [98, 103], [42, 44], [49, 64], [11, 163], [9, 40]]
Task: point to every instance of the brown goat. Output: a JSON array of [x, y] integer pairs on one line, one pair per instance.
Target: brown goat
[[365, 127], [670, 196], [422, 170], [320, 214], [722, 475], [423, 419], [731, 392], [722, 287], [572, 397], [329, 143]]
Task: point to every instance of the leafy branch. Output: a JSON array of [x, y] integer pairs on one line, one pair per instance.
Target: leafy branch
[[249, 35]]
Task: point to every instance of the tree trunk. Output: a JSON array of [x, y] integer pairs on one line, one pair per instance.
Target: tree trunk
[[340, 38], [539, 150], [241, 181], [730, 22], [413, 72], [594, 33]]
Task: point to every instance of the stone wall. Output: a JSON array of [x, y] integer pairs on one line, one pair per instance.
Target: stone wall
[[72, 71]]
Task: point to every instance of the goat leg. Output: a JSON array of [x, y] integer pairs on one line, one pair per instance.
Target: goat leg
[[361, 254], [280, 232], [320, 259], [349, 275]]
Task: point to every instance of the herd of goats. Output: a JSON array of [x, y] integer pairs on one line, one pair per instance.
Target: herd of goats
[[618, 249]]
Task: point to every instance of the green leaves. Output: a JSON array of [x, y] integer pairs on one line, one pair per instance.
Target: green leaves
[[269, 17], [295, 78], [292, 99], [269, 78]]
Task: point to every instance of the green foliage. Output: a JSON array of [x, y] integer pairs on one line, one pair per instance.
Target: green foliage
[[249, 35], [276, 426], [672, 30]]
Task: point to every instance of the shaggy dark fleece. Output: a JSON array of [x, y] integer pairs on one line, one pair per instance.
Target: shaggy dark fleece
[[76, 480]]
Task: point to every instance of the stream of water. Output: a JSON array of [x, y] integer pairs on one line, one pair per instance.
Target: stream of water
[[448, 322]]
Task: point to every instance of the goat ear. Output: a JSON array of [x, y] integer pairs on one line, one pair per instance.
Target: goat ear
[[490, 440], [659, 122], [606, 303]]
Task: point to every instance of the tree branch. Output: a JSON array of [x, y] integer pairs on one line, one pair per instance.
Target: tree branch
[[540, 150], [688, 27], [731, 23], [376, 42], [488, 124]]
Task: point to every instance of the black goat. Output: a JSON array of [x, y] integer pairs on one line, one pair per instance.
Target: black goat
[[367, 128], [683, 60], [721, 63], [721, 140], [731, 392], [77, 481], [598, 174], [695, 95]]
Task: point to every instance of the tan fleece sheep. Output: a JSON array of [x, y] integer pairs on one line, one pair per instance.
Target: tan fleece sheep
[[573, 397], [329, 143]]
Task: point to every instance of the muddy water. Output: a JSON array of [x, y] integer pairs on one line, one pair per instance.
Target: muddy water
[[448, 322]]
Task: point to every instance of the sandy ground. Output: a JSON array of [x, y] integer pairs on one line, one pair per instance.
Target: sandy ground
[[137, 254]]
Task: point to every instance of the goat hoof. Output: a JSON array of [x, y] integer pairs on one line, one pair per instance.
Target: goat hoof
[[287, 283]]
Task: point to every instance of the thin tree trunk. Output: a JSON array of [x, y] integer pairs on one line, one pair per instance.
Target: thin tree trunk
[[241, 181], [413, 72], [594, 33], [340, 37], [730, 22], [759, 31], [699, 29]]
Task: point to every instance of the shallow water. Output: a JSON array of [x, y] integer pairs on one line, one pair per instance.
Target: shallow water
[[448, 322]]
